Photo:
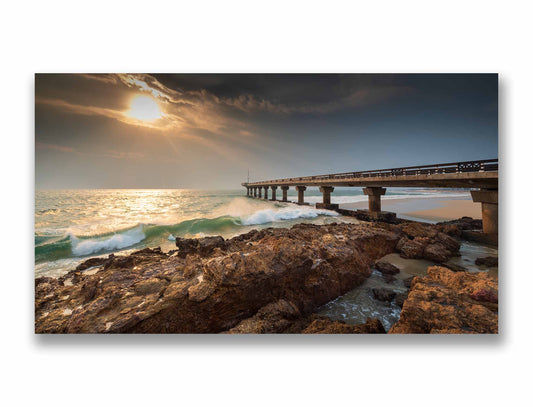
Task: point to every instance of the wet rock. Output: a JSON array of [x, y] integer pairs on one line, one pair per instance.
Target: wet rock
[[453, 267], [186, 246], [408, 281], [386, 268], [487, 294], [324, 325], [436, 252], [218, 285], [487, 261], [203, 247], [276, 317], [383, 294], [412, 249], [464, 223], [449, 302], [451, 244], [416, 229], [400, 298], [94, 262], [426, 241], [150, 286], [388, 278]]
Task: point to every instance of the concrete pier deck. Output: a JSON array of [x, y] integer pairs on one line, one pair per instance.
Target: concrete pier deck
[[480, 176]]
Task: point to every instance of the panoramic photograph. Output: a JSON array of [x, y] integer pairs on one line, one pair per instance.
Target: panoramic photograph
[[266, 203]]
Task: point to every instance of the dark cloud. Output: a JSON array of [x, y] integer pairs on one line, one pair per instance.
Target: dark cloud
[[277, 125]]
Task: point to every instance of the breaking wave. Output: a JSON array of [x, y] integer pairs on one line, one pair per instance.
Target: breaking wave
[[49, 248]]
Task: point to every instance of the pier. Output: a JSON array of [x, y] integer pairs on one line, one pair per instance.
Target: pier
[[481, 177]]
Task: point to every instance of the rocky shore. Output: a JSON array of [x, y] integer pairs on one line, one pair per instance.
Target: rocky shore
[[268, 281]]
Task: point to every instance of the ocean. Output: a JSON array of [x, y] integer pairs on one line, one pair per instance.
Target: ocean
[[73, 225]]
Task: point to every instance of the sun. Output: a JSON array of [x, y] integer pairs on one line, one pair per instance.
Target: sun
[[144, 108]]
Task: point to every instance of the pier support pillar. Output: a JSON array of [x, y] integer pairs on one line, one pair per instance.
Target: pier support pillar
[[247, 191], [273, 187], [266, 192], [259, 192], [489, 208], [284, 192], [326, 199], [255, 192], [374, 198], [301, 189]]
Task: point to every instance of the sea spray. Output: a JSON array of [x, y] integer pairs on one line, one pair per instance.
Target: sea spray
[[287, 213], [71, 225], [117, 241]]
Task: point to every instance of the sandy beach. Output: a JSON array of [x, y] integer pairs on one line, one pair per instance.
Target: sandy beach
[[426, 209]]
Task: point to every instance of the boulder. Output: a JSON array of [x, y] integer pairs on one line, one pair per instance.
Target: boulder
[[388, 278], [436, 252], [453, 267], [445, 301], [487, 294], [383, 294], [267, 278], [400, 298], [386, 268], [464, 223], [203, 247], [412, 249], [324, 325], [276, 317], [408, 281], [487, 261]]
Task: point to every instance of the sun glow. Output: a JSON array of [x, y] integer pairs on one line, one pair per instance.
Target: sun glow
[[144, 108]]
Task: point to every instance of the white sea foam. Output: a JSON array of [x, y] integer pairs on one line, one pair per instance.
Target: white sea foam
[[82, 247], [286, 213]]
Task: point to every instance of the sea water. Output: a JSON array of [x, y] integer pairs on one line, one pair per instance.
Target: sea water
[[72, 225]]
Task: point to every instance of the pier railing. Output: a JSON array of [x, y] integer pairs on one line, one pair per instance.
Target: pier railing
[[447, 168]]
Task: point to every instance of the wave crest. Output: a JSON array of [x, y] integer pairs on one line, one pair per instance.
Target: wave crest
[[83, 247], [281, 214]]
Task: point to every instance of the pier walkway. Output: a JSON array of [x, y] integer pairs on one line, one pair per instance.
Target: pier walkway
[[480, 176]]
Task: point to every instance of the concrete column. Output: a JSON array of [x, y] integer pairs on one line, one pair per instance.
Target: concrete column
[[247, 191], [374, 198], [284, 190], [273, 187], [326, 194], [301, 189], [326, 199], [255, 192], [259, 193], [489, 208], [266, 192]]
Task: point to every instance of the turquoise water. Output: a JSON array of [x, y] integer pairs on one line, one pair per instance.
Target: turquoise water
[[72, 225]]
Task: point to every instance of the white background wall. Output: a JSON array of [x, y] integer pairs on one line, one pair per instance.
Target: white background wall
[[244, 36]]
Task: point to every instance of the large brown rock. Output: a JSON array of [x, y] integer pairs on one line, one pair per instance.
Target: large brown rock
[[278, 317], [426, 242], [437, 252], [384, 294], [412, 249], [456, 226], [324, 325], [202, 247], [216, 285], [450, 302], [490, 261], [386, 267]]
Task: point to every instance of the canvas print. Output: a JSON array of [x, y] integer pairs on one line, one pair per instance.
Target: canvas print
[[266, 203]]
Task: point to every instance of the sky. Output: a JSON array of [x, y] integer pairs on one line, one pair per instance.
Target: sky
[[207, 130]]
